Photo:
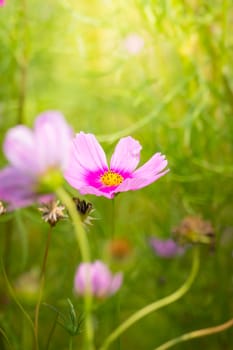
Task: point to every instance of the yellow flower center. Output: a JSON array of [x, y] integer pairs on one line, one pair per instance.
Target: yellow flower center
[[110, 178]]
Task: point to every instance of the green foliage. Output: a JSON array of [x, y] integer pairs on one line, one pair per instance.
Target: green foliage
[[176, 97]]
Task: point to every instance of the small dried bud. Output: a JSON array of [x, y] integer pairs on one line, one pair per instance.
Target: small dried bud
[[52, 212], [195, 230], [2, 209], [84, 209]]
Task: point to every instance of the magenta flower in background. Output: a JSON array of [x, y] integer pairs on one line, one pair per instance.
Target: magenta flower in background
[[89, 173], [96, 277], [2, 2], [167, 248], [37, 158]]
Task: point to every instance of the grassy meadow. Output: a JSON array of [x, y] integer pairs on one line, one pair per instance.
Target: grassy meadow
[[161, 72]]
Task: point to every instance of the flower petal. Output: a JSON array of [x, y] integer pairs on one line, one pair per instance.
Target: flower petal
[[101, 279], [87, 162], [126, 155], [89, 153], [116, 282], [146, 174], [19, 148], [80, 282], [106, 192], [16, 188], [53, 140], [166, 248]]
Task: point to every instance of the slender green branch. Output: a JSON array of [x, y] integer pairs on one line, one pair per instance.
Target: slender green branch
[[113, 213], [12, 293], [71, 343], [85, 254], [51, 331], [23, 63], [157, 304], [196, 334], [148, 118], [5, 337], [42, 281]]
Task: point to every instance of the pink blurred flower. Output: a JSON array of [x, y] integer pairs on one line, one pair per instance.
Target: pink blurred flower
[[89, 173], [133, 43], [37, 160], [2, 2], [97, 278], [166, 248]]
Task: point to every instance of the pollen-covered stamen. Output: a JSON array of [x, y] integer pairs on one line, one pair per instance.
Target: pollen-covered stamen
[[110, 178]]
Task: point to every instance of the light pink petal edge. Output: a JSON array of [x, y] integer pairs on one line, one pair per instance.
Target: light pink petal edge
[[53, 137], [126, 155], [116, 282], [19, 148], [146, 174]]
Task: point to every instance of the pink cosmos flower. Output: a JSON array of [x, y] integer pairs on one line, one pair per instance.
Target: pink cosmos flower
[[2, 2], [89, 173], [37, 160], [96, 277]]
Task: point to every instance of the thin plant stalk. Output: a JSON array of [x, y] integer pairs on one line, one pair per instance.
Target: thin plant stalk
[[116, 306], [196, 334], [85, 255], [51, 332], [4, 336], [8, 244], [42, 281], [138, 315], [71, 343], [12, 294], [23, 64], [112, 228]]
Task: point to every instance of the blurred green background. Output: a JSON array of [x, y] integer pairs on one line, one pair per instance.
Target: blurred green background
[[160, 71]]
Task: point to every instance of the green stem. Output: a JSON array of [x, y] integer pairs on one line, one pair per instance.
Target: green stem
[[8, 244], [12, 293], [2, 332], [23, 63], [196, 334], [157, 304], [112, 226], [115, 315], [42, 281], [71, 343], [51, 332], [85, 255]]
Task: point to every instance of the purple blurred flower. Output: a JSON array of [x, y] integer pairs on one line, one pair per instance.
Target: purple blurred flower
[[89, 173], [37, 160], [98, 278], [166, 248], [133, 43], [2, 2]]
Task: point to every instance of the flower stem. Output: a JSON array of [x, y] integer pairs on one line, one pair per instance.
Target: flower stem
[[116, 303], [23, 63], [196, 334], [112, 228], [12, 293], [2, 332], [85, 255], [42, 280], [71, 343], [51, 332], [157, 304]]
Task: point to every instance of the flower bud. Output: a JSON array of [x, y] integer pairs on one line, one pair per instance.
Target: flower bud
[[96, 279]]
